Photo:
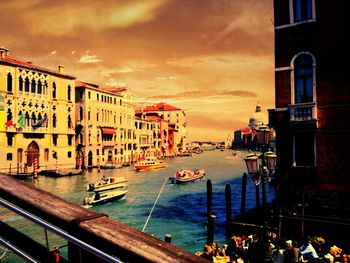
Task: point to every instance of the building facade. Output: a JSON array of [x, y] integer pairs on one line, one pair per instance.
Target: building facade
[[311, 115], [176, 118], [38, 112]]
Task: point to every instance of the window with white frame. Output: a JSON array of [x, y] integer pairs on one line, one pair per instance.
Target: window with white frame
[[302, 10], [303, 79]]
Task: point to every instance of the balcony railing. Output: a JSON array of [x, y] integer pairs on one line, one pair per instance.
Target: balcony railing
[[302, 112]]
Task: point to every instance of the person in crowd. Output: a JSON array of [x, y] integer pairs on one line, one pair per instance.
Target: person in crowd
[[308, 252], [208, 253], [294, 253], [256, 250]]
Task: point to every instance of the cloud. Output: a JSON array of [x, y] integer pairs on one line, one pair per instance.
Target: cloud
[[114, 83], [53, 52], [167, 78], [64, 18], [73, 52], [89, 59], [200, 94], [124, 70]]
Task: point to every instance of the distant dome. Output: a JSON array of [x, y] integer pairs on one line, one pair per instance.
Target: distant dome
[[258, 118]]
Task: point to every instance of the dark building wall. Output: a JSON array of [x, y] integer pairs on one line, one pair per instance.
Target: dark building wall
[[328, 40]]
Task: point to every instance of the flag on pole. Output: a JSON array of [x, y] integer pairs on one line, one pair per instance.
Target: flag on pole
[[20, 121], [40, 123]]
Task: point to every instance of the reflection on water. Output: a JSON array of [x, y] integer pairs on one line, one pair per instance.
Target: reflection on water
[[181, 209]]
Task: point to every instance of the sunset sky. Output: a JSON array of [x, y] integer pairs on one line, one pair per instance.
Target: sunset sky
[[212, 58]]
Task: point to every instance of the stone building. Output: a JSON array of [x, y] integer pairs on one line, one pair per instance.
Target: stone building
[[37, 111]]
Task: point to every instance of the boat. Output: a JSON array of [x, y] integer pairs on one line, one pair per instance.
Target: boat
[[111, 166], [107, 183], [104, 197], [149, 163], [187, 176]]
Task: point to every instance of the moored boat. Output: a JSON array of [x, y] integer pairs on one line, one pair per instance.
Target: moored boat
[[149, 163], [187, 176], [104, 197], [107, 183], [111, 166]]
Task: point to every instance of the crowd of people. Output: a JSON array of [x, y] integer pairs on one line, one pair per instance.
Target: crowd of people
[[251, 249]]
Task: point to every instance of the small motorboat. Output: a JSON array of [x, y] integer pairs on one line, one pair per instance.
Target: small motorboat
[[110, 166], [149, 163], [107, 183], [187, 176], [104, 197]]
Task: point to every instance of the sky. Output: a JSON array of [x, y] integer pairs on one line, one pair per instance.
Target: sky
[[211, 58]]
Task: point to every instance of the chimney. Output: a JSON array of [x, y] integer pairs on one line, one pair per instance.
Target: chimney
[[61, 69], [4, 52]]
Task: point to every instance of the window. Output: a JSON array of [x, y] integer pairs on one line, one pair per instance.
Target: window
[[88, 115], [39, 87], [97, 116], [9, 157], [33, 86], [303, 79], [9, 82], [98, 96], [70, 139], [54, 120], [81, 113], [9, 139], [304, 148], [89, 95], [54, 90], [69, 154], [69, 91], [20, 83], [97, 152], [302, 10], [54, 139], [26, 85], [69, 122]]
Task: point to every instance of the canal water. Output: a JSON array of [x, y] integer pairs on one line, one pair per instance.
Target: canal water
[[180, 210]]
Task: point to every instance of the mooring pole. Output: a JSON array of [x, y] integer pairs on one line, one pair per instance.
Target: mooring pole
[[211, 229], [244, 191], [209, 199], [167, 238], [228, 210], [257, 195]]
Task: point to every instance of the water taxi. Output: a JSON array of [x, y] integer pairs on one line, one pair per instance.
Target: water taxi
[[187, 176], [107, 183], [149, 163], [104, 197]]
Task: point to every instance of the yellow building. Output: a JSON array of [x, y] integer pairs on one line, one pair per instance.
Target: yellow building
[[104, 125], [37, 111]]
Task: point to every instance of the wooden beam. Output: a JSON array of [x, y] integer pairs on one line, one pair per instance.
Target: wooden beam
[[99, 230]]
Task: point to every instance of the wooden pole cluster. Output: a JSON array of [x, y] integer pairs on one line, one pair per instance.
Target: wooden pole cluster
[[210, 217]]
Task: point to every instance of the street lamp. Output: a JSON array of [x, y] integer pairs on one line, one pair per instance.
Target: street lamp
[[260, 166]]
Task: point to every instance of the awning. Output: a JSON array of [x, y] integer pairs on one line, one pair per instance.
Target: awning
[[107, 130]]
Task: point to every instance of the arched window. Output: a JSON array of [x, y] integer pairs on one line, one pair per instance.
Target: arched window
[[39, 87], [32, 90], [20, 83], [54, 120], [69, 91], [46, 124], [9, 82], [33, 119], [69, 122], [26, 85], [45, 88], [54, 90], [27, 119], [303, 79]]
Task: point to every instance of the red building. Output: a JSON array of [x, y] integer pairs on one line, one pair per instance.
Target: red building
[[312, 108]]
